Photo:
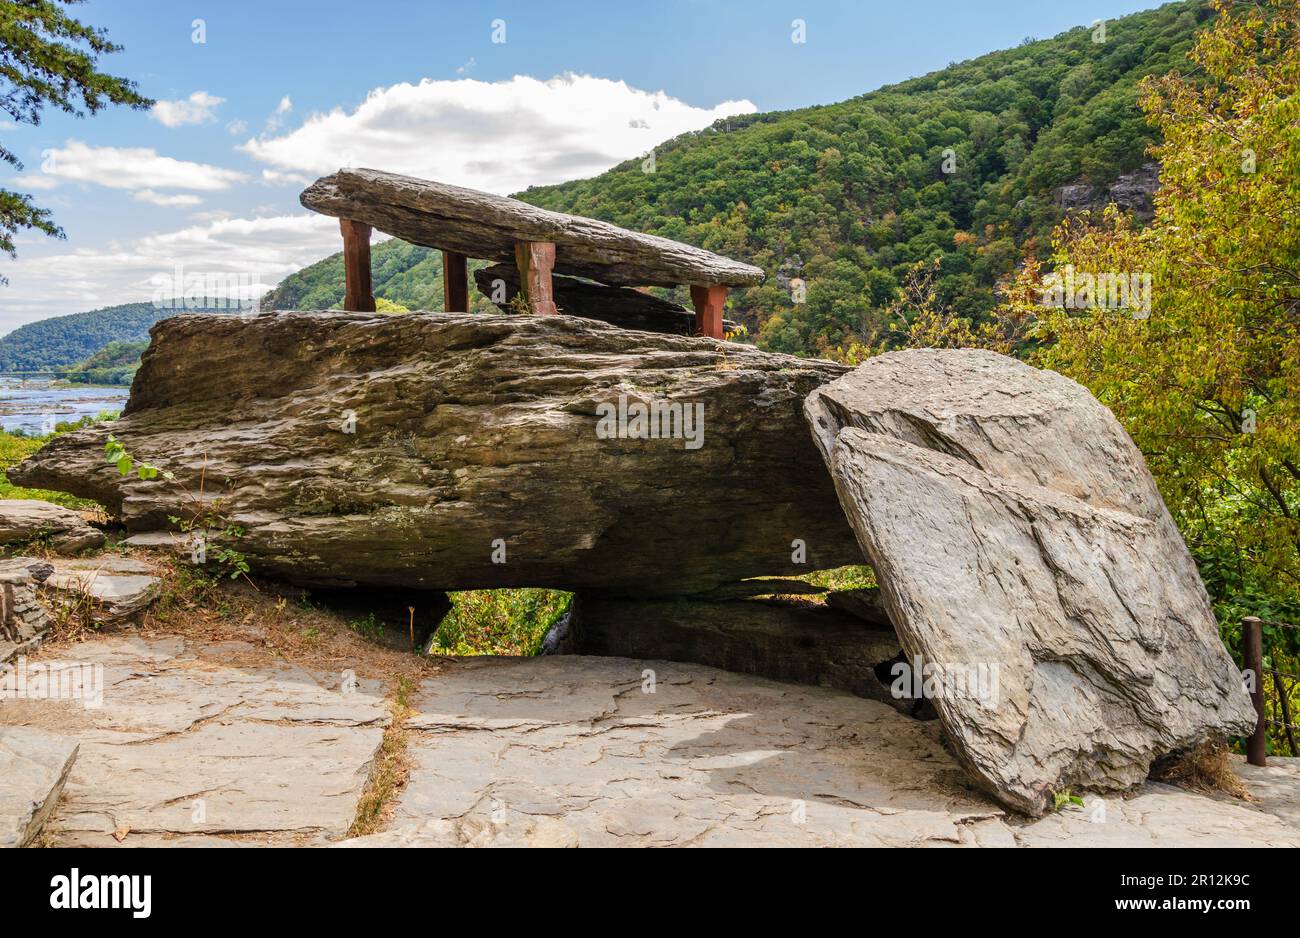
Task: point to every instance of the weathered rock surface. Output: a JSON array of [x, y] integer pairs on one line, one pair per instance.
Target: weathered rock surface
[[1013, 525], [34, 766], [208, 744], [866, 604], [23, 620], [618, 306], [570, 751], [486, 226], [1132, 192], [471, 431], [1160, 815], [23, 520], [799, 643], [220, 745], [119, 587]]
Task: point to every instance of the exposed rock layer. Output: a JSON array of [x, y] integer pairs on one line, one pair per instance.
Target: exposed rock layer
[[1132, 192], [1013, 524], [228, 745], [195, 743], [23, 620], [624, 752], [470, 433], [34, 765], [802, 644]]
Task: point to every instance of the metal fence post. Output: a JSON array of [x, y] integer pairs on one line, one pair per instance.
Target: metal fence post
[[1252, 649]]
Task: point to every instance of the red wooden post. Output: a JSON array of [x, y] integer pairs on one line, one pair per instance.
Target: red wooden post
[[455, 282], [536, 260], [1252, 652], [358, 294], [708, 302]]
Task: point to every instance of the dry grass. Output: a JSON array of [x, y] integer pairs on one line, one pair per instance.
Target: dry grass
[[1206, 768], [391, 769], [278, 624]]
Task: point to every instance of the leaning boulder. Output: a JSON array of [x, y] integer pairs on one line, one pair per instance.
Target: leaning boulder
[[1030, 565], [25, 520], [464, 451]]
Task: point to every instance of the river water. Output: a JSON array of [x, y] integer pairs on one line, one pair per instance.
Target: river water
[[36, 405]]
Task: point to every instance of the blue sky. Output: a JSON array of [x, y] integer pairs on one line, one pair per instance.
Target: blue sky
[[281, 91]]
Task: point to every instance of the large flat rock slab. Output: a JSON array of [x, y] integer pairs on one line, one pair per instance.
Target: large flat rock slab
[[1016, 533], [465, 451], [575, 751], [34, 766], [208, 744], [482, 225], [25, 520], [213, 745]]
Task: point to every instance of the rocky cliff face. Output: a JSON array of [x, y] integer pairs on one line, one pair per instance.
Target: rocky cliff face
[[1133, 192], [454, 451]]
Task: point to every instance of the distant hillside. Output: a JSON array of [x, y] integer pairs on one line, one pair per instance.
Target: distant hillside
[[64, 341], [406, 274], [850, 196], [115, 363]]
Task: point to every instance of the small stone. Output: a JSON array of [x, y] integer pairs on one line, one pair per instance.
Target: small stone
[[119, 586]]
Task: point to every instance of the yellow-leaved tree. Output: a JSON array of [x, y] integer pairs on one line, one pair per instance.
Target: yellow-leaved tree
[[1206, 376]]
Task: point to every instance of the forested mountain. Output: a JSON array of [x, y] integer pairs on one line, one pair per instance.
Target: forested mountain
[[63, 341], [963, 167], [406, 274], [115, 363]]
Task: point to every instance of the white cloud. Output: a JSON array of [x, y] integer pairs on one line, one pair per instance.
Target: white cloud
[[258, 251], [179, 200], [196, 109], [273, 177], [133, 168], [276, 120], [29, 183], [499, 136], [236, 127]]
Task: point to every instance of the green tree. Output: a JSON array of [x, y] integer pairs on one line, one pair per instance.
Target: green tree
[[48, 59], [1208, 380]]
